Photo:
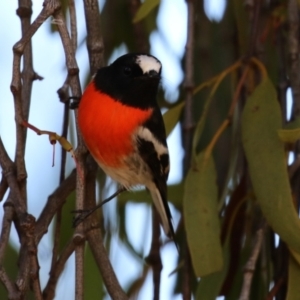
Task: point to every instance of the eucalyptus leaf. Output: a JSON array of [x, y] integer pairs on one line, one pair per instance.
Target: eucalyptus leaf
[[146, 7], [265, 154], [201, 217]]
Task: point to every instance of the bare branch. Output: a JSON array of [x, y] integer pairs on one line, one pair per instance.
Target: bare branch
[[188, 128], [188, 123], [55, 201], [6, 226], [28, 227], [140, 38], [3, 187], [17, 88], [250, 266], [94, 35], [8, 168], [95, 240], [154, 259], [49, 291], [13, 293], [114, 289], [73, 24]]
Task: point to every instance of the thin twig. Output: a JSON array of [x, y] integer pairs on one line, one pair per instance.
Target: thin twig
[[254, 12], [250, 265], [3, 187], [73, 24], [6, 226], [49, 291], [28, 227], [188, 129], [55, 201], [275, 288], [94, 36], [13, 293], [140, 38], [154, 259], [73, 72], [112, 285], [83, 214], [8, 169], [95, 240], [17, 88], [188, 122]]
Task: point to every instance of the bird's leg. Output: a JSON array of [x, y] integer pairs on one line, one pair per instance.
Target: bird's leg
[[84, 213]]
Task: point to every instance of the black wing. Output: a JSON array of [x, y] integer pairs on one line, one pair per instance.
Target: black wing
[[154, 152]]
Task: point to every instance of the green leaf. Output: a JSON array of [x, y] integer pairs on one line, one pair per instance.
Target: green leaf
[[265, 154], [289, 135], [145, 9], [171, 117], [209, 286], [201, 217]]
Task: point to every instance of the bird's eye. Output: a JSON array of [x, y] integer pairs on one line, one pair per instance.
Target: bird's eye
[[127, 71]]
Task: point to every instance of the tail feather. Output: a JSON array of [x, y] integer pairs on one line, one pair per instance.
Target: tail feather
[[163, 209]]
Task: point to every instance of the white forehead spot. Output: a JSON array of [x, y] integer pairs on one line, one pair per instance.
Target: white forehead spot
[[148, 63]]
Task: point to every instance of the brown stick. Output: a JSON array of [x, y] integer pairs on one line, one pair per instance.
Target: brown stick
[[55, 201], [154, 259], [13, 293], [250, 265], [49, 291], [188, 129]]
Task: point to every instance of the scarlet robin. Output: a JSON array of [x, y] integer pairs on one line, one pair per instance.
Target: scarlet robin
[[123, 128]]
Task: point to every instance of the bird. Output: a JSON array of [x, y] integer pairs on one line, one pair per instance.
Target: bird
[[123, 129]]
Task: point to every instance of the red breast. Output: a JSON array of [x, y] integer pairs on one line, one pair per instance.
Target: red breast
[[107, 125]]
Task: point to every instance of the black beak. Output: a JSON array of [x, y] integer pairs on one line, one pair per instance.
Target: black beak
[[154, 74]]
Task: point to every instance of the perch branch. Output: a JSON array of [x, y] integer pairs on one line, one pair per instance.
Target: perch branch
[[250, 265], [154, 259]]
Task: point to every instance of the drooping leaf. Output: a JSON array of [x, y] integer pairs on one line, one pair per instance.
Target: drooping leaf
[[201, 217], [267, 165], [289, 135], [210, 285], [145, 9], [171, 117]]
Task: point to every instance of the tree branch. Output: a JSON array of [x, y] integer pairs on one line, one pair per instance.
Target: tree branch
[[154, 259], [188, 129], [13, 293], [55, 201], [94, 36], [6, 226], [250, 265], [56, 270]]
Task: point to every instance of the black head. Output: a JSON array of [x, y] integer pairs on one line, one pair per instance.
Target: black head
[[132, 79]]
